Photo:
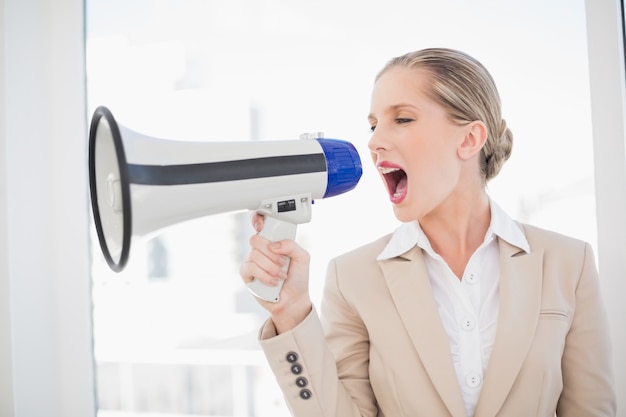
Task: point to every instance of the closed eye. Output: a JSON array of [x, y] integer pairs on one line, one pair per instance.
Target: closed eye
[[399, 120]]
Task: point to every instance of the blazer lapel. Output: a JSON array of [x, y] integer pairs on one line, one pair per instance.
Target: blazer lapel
[[520, 302], [410, 288]]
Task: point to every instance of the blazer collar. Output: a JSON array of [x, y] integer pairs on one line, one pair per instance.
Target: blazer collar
[[415, 303], [520, 296], [521, 278]]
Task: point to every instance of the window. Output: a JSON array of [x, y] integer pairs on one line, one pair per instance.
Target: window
[[175, 332]]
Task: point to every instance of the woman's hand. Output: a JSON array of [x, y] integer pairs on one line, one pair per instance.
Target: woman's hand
[[265, 262]]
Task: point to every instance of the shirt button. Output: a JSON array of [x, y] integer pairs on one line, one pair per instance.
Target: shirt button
[[468, 323], [305, 394], [471, 278], [473, 379], [296, 369], [302, 382]]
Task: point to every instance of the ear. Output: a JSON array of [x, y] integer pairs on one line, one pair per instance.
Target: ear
[[474, 140]]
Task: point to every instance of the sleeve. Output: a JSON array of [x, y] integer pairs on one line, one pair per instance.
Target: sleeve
[[588, 385], [313, 382]]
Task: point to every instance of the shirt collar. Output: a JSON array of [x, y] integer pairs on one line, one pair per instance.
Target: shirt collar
[[408, 235]]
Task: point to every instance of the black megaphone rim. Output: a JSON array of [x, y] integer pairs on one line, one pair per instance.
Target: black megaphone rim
[[99, 113]]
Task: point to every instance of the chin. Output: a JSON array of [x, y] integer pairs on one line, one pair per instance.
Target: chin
[[403, 214]]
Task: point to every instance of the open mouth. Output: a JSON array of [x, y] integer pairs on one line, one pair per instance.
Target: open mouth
[[396, 181]]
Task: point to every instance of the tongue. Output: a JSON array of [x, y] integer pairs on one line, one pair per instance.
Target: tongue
[[400, 187]]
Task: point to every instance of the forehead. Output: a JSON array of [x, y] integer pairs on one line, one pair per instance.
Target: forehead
[[399, 84]]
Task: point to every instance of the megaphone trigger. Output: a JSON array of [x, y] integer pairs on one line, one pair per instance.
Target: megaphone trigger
[[282, 216]]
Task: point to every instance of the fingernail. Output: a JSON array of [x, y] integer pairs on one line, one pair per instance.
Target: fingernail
[[282, 274], [275, 245]]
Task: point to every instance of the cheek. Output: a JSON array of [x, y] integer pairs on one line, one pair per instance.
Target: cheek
[[433, 175], [426, 162]]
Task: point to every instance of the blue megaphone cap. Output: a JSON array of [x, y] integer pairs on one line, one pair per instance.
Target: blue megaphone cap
[[343, 166]]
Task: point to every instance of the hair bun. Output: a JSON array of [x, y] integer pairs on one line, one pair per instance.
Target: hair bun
[[499, 151]]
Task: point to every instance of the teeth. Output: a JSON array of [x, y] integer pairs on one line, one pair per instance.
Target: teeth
[[388, 170]]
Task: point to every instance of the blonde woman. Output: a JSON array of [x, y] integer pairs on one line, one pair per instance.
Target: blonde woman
[[461, 311]]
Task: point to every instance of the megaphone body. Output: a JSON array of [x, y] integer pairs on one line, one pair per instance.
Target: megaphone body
[[139, 184]]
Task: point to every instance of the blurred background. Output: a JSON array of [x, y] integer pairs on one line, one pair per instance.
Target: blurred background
[[176, 332]]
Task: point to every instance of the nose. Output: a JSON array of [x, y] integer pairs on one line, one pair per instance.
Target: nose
[[377, 143]]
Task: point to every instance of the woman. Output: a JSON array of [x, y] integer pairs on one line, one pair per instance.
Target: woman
[[461, 311]]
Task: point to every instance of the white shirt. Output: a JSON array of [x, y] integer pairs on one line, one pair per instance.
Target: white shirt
[[468, 307]]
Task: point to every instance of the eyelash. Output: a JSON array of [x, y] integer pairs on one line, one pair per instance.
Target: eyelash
[[399, 120]]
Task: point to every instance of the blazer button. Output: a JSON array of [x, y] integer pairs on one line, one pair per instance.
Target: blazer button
[[302, 382], [292, 357], [296, 369], [305, 394]]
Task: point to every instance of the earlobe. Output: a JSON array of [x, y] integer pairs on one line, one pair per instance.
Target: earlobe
[[474, 140]]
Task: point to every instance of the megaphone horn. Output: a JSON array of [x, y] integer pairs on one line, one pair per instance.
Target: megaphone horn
[[140, 184]]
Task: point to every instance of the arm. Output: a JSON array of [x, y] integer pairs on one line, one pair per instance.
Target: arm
[[345, 346], [294, 341], [588, 387]]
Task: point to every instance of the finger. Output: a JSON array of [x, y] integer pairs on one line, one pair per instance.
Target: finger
[[261, 244], [250, 271], [290, 249], [267, 269], [257, 221]]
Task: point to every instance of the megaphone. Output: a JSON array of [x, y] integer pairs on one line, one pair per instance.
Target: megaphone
[[140, 184]]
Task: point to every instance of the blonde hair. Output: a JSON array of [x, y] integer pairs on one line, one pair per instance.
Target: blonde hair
[[464, 87]]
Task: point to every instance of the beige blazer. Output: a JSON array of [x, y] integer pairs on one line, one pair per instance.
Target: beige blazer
[[380, 348]]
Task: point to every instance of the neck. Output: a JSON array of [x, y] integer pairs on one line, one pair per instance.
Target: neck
[[457, 228]]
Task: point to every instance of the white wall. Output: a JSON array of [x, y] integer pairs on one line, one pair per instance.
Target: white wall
[[46, 365], [6, 368], [607, 79]]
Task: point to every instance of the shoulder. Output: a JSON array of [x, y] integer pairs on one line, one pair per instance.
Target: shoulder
[[560, 252], [355, 282], [353, 268], [548, 240], [366, 253]]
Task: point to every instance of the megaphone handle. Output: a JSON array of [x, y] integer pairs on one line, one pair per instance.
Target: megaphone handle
[[273, 230]]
